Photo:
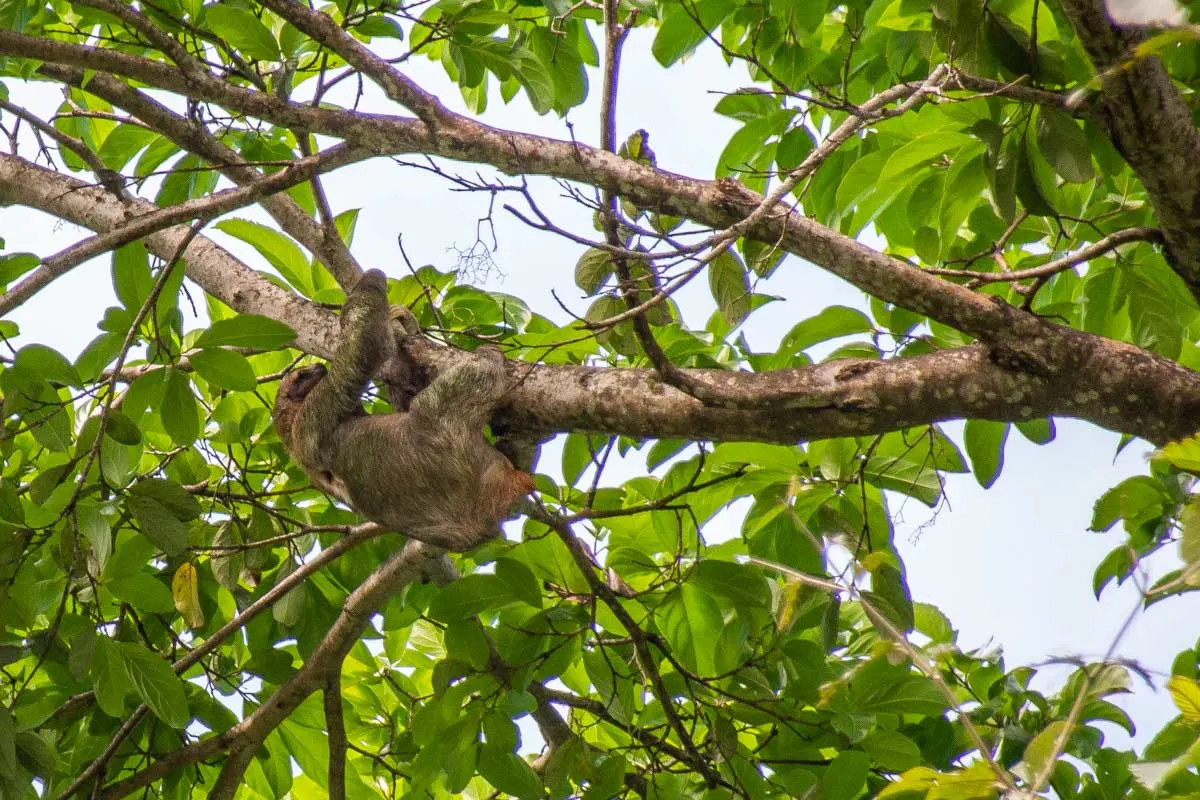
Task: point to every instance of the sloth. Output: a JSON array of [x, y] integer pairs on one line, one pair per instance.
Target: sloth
[[428, 472]]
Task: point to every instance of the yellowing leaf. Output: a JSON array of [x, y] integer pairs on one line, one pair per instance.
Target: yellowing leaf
[[185, 591], [1186, 694]]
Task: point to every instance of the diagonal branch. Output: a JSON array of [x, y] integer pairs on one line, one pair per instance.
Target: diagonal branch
[[243, 740], [201, 208], [1151, 125], [323, 243]]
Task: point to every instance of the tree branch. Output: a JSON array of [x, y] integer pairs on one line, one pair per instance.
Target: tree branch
[[1048, 371], [1151, 125]]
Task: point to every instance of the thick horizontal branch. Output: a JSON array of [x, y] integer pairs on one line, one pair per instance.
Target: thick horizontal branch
[[1112, 385], [1054, 371]]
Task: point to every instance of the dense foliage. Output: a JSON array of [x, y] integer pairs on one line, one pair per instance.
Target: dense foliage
[[182, 614]]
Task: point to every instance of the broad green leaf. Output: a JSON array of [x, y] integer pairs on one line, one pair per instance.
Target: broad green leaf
[[14, 265], [379, 26], [888, 584], [143, 592], [891, 750], [131, 275], [8, 743], [508, 772], [922, 150], [96, 530], [110, 681], [730, 285], [1184, 454], [224, 368], [283, 254], [592, 269], [468, 596], [156, 684], [180, 410], [1029, 192], [122, 429], [846, 775], [242, 30], [681, 28], [691, 621], [289, 609], [742, 585], [1189, 539], [48, 364], [158, 524], [1135, 500], [1038, 431], [1063, 144], [247, 330], [984, 441], [831, 323], [1047, 746]]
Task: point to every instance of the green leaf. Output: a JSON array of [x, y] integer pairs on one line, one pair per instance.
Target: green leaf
[[49, 422], [1189, 539], [96, 531], [1135, 500], [846, 775], [14, 265], [678, 29], [242, 30], [143, 592], [290, 608], [181, 503], [227, 564], [891, 751], [8, 743], [1028, 190], [247, 330], [468, 596], [889, 585], [378, 25], [730, 285], [741, 584], [509, 773], [1183, 454], [1038, 431], [831, 323], [592, 269], [283, 254], [122, 429], [923, 149], [110, 681], [131, 275], [984, 442], [224, 368], [48, 364], [156, 684], [1041, 751], [1063, 144], [158, 524], [180, 410], [691, 621]]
